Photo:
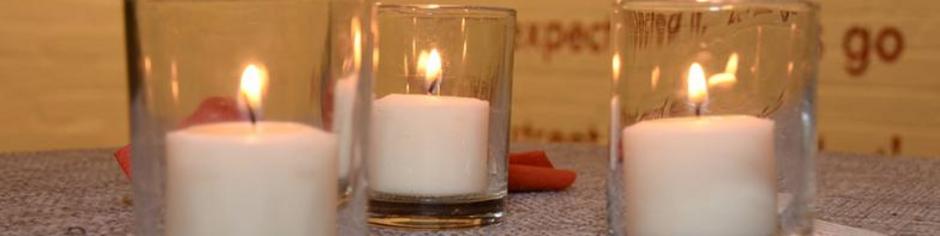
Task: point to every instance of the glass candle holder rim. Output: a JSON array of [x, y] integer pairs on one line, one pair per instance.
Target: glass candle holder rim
[[795, 5], [214, 1], [715, 1], [773, 80], [429, 9], [473, 86]]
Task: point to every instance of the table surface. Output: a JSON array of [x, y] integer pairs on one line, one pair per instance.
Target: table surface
[[54, 193]]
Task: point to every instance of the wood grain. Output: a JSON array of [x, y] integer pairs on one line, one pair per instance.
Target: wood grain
[[62, 75], [897, 99]]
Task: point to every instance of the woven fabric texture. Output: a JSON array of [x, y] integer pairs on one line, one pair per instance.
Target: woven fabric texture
[[75, 192]]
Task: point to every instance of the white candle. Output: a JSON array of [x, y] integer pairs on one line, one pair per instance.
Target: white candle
[[239, 178], [711, 175], [251, 178], [344, 95], [701, 175], [425, 145], [344, 98]]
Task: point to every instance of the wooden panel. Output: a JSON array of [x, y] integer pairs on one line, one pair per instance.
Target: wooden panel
[[62, 75], [62, 72], [876, 95]]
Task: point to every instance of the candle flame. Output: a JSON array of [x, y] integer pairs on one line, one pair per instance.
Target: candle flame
[[174, 82], [357, 42], [615, 66], [790, 68], [253, 85], [654, 77], [430, 64], [732, 65], [697, 90], [722, 79], [423, 62], [728, 77]]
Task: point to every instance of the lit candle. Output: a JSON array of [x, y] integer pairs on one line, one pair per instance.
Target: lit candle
[[344, 97], [702, 175], [429, 145], [251, 178]]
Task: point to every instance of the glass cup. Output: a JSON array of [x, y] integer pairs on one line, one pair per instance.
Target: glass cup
[[713, 121], [234, 118], [439, 121]]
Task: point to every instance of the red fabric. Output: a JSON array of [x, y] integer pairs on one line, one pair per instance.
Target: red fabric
[[123, 157], [531, 158], [534, 178], [533, 171], [213, 109]]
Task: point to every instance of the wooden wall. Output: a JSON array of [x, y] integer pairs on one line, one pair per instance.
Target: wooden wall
[[63, 74], [879, 91]]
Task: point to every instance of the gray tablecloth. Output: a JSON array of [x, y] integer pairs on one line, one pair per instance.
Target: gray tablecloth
[[62, 192]]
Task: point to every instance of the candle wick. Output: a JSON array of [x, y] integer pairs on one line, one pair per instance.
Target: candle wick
[[251, 111], [251, 115], [434, 87]]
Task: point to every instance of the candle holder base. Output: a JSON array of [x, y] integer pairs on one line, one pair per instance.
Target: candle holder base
[[445, 215], [345, 191]]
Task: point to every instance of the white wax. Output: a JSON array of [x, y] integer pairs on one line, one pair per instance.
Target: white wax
[[711, 175], [429, 145], [344, 96], [235, 178]]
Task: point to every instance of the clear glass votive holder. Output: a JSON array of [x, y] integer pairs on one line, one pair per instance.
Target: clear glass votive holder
[[713, 121], [350, 42], [439, 124], [234, 118]]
